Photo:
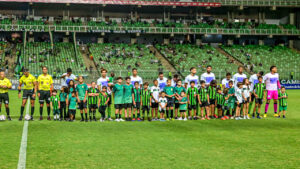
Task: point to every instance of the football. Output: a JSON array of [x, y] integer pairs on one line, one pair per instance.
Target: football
[[2, 117], [27, 117]]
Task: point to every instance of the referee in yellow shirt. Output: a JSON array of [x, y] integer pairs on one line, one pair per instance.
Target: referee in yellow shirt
[[5, 85], [29, 90], [45, 86]]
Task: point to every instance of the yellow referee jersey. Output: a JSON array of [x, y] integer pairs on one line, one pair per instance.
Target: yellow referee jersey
[[28, 81], [4, 82], [44, 82]]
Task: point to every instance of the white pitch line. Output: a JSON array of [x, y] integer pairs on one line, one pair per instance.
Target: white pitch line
[[23, 147]]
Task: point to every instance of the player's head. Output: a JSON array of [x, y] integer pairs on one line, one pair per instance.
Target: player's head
[[162, 94], [225, 91], [103, 72], [182, 94], [136, 84], [26, 72], [169, 82], [45, 70], [193, 70], [230, 83], [134, 72], [175, 77], [71, 83], [73, 94], [261, 73], [219, 90], [93, 84], [104, 88], [69, 71], [228, 75], [208, 68], [128, 80], [260, 79], [155, 82], [64, 89], [54, 92], [239, 85], [80, 79], [202, 83], [192, 83], [119, 80], [179, 82], [246, 81], [273, 69], [282, 89], [161, 75], [112, 74], [213, 83], [2, 73], [146, 84], [240, 69]]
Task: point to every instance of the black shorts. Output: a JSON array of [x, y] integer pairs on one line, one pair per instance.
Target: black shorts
[[219, 106], [73, 112], [212, 101], [182, 111], [170, 102], [191, 107], [93, 106], [162, 111], [127, 105], [204, 104], [44, 96], [239, 104], [226, 108], [4, 98], [258, 100], [247, 100], [137, 105], [177, 105], [28, 93], [146, 108], [154, 105], [119, 106], [252, 96], [102, 109], [82, 105], [63, 105]]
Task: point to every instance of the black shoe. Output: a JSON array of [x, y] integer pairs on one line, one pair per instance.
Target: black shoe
[[86, 120], [49, 118], [31, 118], [41, 117], [149, 119], [95, 119], [8, 118], [81, 120], [21, 118]]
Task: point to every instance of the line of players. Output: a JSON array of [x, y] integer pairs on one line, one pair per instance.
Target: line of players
[[188, 96]]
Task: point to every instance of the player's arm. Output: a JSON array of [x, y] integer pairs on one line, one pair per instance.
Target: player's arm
[[77, 96], [150, 101], [107, 100], [85, 95], [59, 103], [19, 88], [188, 98], [99, 100], [63, 75], [51, 105], [207, 97], [133, 99], [198, 97]]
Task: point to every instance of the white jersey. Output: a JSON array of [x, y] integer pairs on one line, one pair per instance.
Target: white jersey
[[208, 77], [238, 95], [136, 79], [253, 80], [190, 78], [66, 79], [225, 82], [163, 102], [246, 91], [162, 83], [271, 81], [238, 78], [155, 92], [103, 82], [173, 83]]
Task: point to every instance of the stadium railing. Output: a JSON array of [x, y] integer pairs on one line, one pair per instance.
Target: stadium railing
[[255, 2]]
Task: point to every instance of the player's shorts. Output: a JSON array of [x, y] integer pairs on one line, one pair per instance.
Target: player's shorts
[[231, 105], [102, 109], [219, 106], [82, 104], [119, 106], [239, 104], [282, 108], [137, 105], [154, 105], [247, 100], [204, 104], [177, 105], [182, 111], [56, 112], [4, 98], [44, 96], [192, 107], [162, 111], [212, 101], [28, 93], [93, 106], [170, 102], [63, 105], [258, 100], [127, 105], [226, 108], [252, 96], [272, 94], [72, 111], [144, 108]]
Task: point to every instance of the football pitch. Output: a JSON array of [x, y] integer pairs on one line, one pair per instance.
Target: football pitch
[[255, 143]]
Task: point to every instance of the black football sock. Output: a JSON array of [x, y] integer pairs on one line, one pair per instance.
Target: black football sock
[[32, 111], [133, 115], [48, 110], [171, 113], [138, 115], [94, 114], [81, 115], [120, 116], [86, 116], [41, 111], [7, 111], [22, 110], [167, 113]]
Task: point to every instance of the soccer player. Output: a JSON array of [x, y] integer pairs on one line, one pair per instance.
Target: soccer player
[[128, 98], [72, 105], [71, 88], [203, 99], [63, 95], [192, 78], [137, 101], [225, 104], [283, 96], [82, 93], [162, 81], [55, 104], [163, 102], [212, 98], [45, 86], [169, 90], [174, 80], [208, 76], [29, 90], [177, 90], [135, 78], [253, 80], [272, 85], [192, 100], [5, 85], [118, 93], [146, 100], [239, 77], [154, 99], [225, 81], [66, 77], [93, 94], [103, 102], [231, 99], [219, 103], [247, 98], [239, 97], [108, 82], [259, 95], [183, 105]]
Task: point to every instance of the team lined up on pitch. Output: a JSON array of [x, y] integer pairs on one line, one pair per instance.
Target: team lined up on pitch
[[230, 100]]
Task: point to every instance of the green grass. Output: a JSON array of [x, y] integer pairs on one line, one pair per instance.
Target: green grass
[[265, 143]]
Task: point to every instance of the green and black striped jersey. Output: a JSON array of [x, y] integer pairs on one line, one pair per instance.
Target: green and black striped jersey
[[103, 98], [203, 94], [92, 99], [220, 99], [54, 100], [259, 89], [211, 92], [282, 101], [192, 95], [146, 95], [137, 94]]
